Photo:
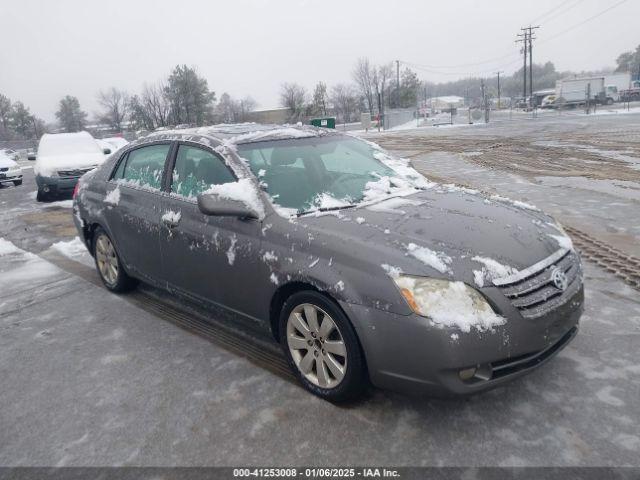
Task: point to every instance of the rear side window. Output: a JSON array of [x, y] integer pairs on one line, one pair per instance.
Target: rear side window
[[119, 173], [144, 166], [196, 170]]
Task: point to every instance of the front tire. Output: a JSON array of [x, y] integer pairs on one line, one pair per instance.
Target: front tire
[[17, 183], [108, 264], [322, 347]]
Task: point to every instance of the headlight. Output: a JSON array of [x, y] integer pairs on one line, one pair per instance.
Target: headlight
[[448, 304]]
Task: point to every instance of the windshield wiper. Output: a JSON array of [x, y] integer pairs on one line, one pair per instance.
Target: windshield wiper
[[325, 209]]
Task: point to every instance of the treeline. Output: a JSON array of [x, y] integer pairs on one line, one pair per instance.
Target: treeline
[[17, 121], [184, 98], [373, 88]]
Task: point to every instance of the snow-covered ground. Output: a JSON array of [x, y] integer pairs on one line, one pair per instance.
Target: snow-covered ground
[[92, 378]]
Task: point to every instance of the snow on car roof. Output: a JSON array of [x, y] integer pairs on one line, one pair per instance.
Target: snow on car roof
[[245, 132], [67, 143]]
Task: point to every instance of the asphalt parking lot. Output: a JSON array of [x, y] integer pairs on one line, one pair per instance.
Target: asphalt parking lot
[[90, 378]]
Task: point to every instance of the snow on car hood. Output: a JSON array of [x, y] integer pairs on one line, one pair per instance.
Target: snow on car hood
[[6, 162], [47, 165], [447, 233]]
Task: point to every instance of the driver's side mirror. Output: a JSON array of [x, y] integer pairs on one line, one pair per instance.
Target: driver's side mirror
[[106, 151], [215, 205]]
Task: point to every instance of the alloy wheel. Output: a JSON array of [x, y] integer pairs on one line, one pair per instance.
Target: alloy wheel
[[107, 260], [316, 346]]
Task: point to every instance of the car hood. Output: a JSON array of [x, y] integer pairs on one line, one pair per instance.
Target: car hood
[[455, 224], [47, 165], [6, 162]]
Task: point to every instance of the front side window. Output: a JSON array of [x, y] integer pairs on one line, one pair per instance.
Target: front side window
[[144, 166], [196, 170]]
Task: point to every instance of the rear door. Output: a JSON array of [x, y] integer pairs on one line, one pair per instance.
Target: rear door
[[133, 205], [211, 258]]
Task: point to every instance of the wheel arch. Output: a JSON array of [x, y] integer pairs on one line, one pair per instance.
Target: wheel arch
[[282, 293]]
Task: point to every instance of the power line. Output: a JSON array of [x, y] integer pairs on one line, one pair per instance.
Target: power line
[[464, 64], [464, 72], [583, 22], [561, 12], [540, 17]]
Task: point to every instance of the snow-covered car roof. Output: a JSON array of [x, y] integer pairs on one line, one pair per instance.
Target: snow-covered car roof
[[67, 143], [245, 132]]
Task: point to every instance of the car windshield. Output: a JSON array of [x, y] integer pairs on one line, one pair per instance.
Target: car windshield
[[320, 173]]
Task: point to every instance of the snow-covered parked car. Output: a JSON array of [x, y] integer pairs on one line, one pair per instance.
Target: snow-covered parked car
[[12, 154], [62, 159], [360, 267], [10, 171]]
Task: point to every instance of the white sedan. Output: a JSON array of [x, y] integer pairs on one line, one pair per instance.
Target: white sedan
[[9, 171]]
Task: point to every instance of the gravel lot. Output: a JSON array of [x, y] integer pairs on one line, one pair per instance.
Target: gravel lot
[[90, 378]]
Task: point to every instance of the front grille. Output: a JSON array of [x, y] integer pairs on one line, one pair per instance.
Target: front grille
[[533, 292], [75, 173]]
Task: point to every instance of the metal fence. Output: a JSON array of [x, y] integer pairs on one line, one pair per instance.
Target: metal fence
[[400, 116]]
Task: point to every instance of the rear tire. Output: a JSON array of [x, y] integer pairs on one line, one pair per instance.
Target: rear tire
[[17, 183], [41, 196], [108, 264], [322, 347]]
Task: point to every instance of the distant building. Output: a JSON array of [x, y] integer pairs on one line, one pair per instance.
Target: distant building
[[448, 101], [275, 115]]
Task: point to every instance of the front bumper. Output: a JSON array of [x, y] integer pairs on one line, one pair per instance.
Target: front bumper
[[10, 176], [56, 185], [406, 353]]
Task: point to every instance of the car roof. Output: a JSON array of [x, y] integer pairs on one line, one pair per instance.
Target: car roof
[[241, 133]]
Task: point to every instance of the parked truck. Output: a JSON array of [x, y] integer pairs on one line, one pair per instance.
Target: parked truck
[[632, 93], [615, 84]]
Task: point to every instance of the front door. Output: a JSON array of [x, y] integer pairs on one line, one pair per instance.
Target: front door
[[212, 258]]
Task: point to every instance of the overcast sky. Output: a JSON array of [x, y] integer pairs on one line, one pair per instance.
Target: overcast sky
[[49, 49]]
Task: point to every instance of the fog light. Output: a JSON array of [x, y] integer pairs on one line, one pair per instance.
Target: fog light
[[45, 188], [467, 373]]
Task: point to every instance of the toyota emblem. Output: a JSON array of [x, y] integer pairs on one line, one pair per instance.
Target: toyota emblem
[[559, 279]]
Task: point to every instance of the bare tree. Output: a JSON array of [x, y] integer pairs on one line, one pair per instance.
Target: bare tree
[[381, 76], [115, 104], [293, 97], [344, 99], [230, 110], [363, 77], [156, 103], [319, 103], [245, 106]]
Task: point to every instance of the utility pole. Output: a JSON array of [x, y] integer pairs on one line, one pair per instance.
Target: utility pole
[[524, 37], [527, 47], [531, 38], [498, 73], [398, 83], [484, 102]]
